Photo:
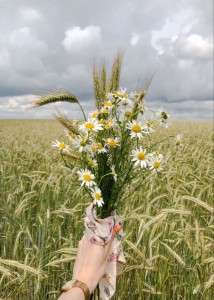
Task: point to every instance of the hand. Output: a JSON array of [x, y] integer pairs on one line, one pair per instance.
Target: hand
[[91, 261]]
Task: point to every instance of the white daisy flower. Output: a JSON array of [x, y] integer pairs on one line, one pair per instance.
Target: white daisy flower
[[178, 141], [92, 148], [96, 194], [100, 148], [92, 163], [163, 116], [108, 105], [71, 135], [133, 95], [156, 155], [140, 157], [136, 129], [61, 146], [81, 143], [86, 177], [94, 114], [114, 173], [124, 97], [108, 124], [112, 142], [148, 127], [104, 111], [91, 125], [155, 164]]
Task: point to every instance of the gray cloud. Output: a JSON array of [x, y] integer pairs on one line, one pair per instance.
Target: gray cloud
[[52, 44]]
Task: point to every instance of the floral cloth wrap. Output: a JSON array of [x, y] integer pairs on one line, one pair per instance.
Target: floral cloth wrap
[[99, 232]]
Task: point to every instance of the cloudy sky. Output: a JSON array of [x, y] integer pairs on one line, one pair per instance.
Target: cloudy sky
[[52, 44]]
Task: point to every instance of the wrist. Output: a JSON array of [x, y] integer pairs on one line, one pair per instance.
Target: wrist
[[89, 281]]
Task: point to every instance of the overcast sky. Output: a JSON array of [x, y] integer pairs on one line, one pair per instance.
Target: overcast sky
[[51, 44]]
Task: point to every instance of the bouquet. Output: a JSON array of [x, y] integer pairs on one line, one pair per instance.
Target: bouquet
[[112, 146]]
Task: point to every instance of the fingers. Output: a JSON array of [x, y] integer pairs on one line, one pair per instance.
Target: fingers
[[116, 229], [77, 264]]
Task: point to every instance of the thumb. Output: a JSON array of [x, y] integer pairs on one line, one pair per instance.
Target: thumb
[[116, 229]]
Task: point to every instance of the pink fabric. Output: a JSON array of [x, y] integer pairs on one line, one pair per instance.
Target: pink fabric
[[99, 232]]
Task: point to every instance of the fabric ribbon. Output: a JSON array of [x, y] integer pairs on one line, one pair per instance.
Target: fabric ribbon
[[99, 232]]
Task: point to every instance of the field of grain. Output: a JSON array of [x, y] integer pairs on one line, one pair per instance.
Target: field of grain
[[168, 223]]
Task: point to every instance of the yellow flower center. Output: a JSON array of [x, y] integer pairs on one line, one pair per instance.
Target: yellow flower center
[[128, 113], [125, 95], [115, 131], [141, 156], [93, 148], [105, 111], [108, 103], [62, 145], [100, 121], [73, 135], [91, 163], [109, 121], [94, 115], [89, 125], [156, 164], [148, 124], [136, 128], [112, 143], [87, 177], [178, 142], [116, 94], [99, 146], [82, 143], [108, 126], [97, 196]]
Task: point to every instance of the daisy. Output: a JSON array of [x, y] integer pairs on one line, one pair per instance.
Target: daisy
[[124, 97], [108, 105], [94, 114], [100, 148], [92, 163], [155, 164], [109, 124], [136, 129], [140, 157], [81, 143], [104, 111], [178, 141], [163, 116], [71, 135], [127, 113], [113, 172], [112, 143], [86, 177], [156, 155], [96, 194], [92, 148], [61, 146], [91, 126], [148, 127]]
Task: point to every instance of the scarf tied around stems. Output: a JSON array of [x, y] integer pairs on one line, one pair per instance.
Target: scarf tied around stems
[[99, 232]]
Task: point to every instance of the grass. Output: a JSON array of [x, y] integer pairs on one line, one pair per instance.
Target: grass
[[168, 223]]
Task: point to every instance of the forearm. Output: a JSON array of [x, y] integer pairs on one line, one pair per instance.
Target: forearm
[[73, 294]]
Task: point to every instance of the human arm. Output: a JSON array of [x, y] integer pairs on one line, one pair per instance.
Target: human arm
[[90, 266]]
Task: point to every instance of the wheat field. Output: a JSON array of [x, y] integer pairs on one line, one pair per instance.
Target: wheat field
[[168, 223]]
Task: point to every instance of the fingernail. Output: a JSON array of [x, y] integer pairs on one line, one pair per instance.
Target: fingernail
[[117, 228]]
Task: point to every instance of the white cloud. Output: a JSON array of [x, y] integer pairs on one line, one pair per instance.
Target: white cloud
[[77, 39], [135, 38], [196, 46]]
